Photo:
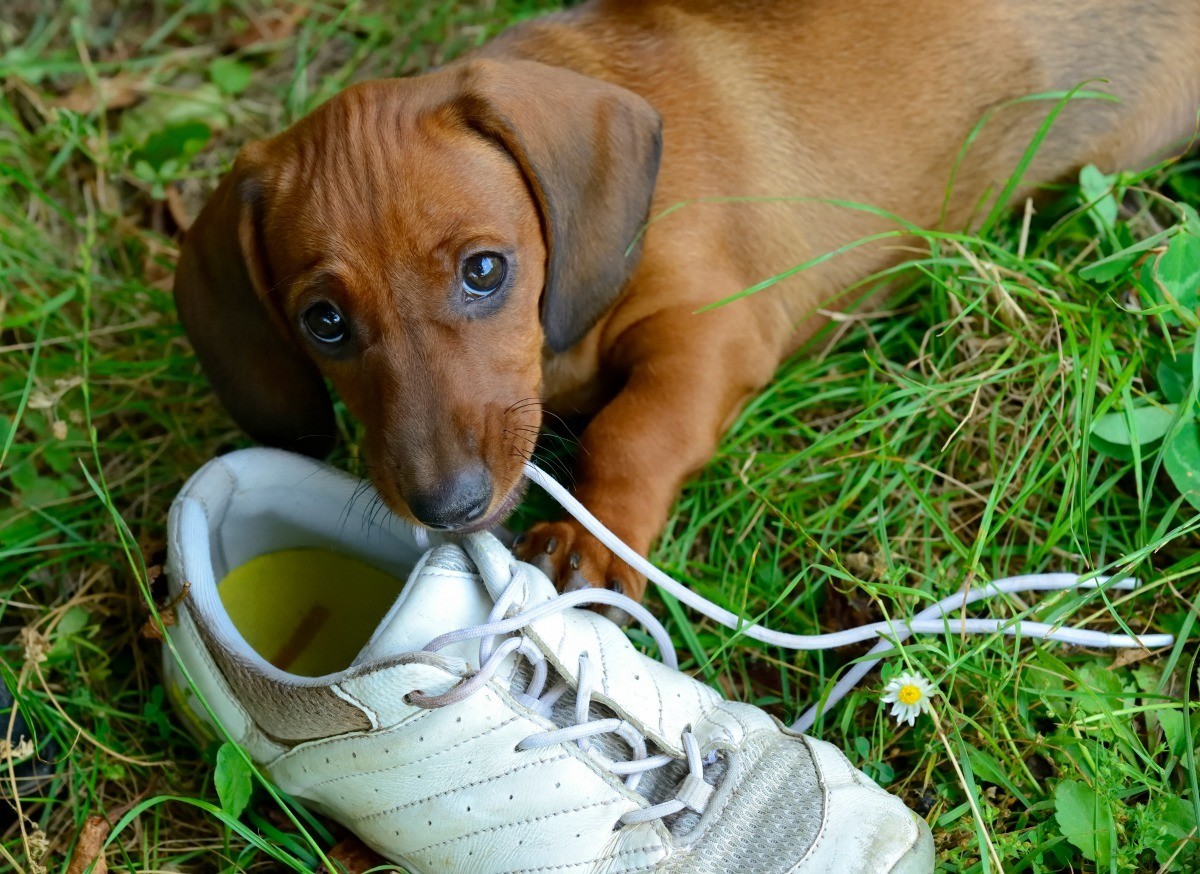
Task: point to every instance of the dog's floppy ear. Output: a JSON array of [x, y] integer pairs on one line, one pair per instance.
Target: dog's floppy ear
[[589, 151], [269, 387]]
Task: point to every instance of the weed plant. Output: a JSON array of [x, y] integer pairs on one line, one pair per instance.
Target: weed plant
[[1023, 401]]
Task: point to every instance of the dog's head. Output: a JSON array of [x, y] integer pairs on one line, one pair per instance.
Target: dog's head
[[418, 243]]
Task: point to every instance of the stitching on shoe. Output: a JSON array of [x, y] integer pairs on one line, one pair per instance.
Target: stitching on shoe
[[358, 774], [705, 706], [553, 654], [355, 701], [706, 711], [652, 866], [317, 743], [660, 852], [599, 638], [517, 823], [734, 716], [826, 805], [435, 571], [380, 814], [662, 725]]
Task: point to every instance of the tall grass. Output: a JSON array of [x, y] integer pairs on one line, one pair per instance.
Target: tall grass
[[940, 438]]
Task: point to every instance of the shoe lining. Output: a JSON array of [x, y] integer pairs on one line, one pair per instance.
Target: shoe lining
[[307, 611]]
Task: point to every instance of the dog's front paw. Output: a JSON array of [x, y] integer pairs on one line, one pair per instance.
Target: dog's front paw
[[569, 555]]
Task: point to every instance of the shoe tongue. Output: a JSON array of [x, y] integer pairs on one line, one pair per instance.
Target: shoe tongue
[[444, 593]]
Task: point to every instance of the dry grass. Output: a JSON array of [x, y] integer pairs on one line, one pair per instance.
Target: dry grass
[[903, 454]]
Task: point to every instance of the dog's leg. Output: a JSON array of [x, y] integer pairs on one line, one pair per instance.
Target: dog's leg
[[687, 377]]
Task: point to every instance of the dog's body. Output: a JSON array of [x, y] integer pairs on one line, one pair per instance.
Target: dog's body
[[542, 150]]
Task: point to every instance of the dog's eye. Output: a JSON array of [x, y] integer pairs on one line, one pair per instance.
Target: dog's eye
[[483, 273], [325, 323]]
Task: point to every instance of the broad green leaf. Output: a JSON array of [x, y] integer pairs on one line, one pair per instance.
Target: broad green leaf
[[862, 746], [24, 475], [1146, 279], [1179, 268], [1100, 690], [45, 490], [1181, 458], [1187, 186], [1111, 433], [1097, 189], [177, 142], [1147, 677], [1085, 819], [1168, 822], [1173, 278], [233, 779], [1119, 451], [1175, 378], [19, 527], [1114, 265], [73, 621], [1191, 218], [1150, 423], [1172, 726], [58, 457], [230, 76]]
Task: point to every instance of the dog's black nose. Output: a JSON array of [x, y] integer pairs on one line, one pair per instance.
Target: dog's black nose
[[457, 500]]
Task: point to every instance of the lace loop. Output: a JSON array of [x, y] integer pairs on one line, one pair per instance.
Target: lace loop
[[497, 626], [692, 793], [938, 618]]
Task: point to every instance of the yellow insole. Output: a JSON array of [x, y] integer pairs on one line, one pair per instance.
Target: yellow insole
[[307, 611]]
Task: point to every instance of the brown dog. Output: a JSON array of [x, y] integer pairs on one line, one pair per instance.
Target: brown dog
[[455, 250]]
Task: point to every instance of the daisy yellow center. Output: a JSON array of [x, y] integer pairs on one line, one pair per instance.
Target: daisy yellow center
[[909, 694]]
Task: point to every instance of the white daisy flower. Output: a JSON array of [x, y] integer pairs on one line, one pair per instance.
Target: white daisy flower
[[909, 695]]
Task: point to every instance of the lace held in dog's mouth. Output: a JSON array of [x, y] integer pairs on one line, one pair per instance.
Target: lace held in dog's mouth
[[516, 494]]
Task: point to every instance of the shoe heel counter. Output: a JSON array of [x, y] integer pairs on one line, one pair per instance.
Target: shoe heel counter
[[212, 687]]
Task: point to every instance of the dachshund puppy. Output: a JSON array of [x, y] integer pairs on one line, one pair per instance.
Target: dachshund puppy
[[457, 251]]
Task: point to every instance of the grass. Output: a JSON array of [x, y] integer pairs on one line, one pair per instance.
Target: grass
[[903, 454]]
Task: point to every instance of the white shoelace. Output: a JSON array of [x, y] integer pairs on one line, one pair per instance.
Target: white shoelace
[[693, 792], [935, 619]]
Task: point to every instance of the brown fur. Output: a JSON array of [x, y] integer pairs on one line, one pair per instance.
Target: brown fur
[[544, 144]]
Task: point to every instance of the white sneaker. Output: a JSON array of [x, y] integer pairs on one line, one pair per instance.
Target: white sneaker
[[484, 724]]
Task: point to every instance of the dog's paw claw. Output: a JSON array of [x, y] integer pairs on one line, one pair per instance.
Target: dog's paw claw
[[616, 615], [543, 563], [575, 582], [570, 556]]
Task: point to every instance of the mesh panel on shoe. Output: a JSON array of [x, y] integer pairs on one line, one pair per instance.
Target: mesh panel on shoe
[[450, 556], [768, 822], [656, 785], [286, 713]]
